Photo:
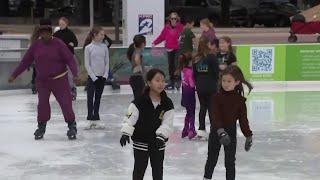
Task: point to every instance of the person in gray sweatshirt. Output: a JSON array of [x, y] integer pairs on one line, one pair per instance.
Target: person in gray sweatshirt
[[96, 57]]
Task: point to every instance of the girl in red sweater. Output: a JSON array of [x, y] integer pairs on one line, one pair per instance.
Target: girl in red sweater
[[228, 105]]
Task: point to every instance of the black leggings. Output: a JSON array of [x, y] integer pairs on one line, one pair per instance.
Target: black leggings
[[229, 151], [94, 94], [204, 99], [137, 84], [172, 58], [141, 159]]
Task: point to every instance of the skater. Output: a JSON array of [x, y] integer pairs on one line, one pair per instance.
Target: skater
[[134, 54], [228, 105], [170, 34], [225, 55], [188, 94], [207, 30], [70, 39], [187, 38], [149, 122], [51, 58], [206, 73], [96, 57]]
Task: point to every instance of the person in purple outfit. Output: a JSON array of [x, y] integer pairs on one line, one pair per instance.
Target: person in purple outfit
[[51, 57], [188, 94], [207, 30]]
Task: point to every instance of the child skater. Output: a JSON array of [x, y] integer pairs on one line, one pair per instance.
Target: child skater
[[226, 56], [228, 105], [206, 73], [134, 55], [51, 57], [188, 94], [96, 57], [149, 122]]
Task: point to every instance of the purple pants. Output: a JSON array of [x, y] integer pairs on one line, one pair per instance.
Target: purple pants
[[189, 102], [61, 90]]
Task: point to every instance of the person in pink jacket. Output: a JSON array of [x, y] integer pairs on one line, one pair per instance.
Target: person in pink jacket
[[170, 34]]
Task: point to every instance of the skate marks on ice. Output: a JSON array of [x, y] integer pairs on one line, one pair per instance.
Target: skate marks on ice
[[285, 143]]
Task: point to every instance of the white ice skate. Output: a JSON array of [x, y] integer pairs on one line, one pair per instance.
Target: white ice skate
[[89, 125], [202, 135], [98, 125], [94, 125]]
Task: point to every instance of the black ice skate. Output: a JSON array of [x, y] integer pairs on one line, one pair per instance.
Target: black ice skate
[[38, 134], [72, 132], [33, 89]]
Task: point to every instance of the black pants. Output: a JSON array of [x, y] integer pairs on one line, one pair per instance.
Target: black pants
[[204, 99], [141, 159], [229, 151], [94, 93], [137, 84], [34, 75], [172, 58]]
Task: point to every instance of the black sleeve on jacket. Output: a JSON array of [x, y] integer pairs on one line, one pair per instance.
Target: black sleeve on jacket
[[231, 58], [73, 39]]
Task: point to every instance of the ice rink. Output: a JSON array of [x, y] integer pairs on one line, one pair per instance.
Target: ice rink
[[286, 142]]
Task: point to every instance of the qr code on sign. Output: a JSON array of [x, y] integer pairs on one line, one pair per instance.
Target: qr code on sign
[[262, 60]]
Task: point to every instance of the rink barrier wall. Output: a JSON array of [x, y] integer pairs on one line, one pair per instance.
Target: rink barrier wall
[[267, 62]]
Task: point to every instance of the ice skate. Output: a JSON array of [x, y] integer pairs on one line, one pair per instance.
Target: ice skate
[[184, 133], [98, 125], [74, 93], [72, 132], [192, 134], [38, 134], [202, 135]]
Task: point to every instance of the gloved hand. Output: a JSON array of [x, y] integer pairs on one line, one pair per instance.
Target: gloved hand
[[248, 143], [160, 142], [124, 139], [223, 137]]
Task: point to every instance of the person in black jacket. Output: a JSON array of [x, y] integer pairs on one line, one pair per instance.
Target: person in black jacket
[[149, 122], [206, 75], [70, 39]]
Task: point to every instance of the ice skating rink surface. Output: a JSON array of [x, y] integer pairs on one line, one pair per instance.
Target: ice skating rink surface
[[285, 123]]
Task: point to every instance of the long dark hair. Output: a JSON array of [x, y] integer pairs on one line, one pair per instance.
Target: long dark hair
[[203, 49], [237, 74], [150, 75], [138, 40], [94, 31], [228, 40]]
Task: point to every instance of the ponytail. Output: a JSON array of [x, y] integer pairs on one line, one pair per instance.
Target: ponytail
[[130, 51], [94, 31]]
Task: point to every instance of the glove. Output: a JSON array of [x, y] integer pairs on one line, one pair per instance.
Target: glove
[[160, 142], [248, 143], [223, 137], [124, 139]]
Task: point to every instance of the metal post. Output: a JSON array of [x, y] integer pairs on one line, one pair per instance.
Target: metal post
[[91, 14], [116, 20]]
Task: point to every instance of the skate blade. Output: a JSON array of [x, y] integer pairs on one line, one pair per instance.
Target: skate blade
[[72, 137], [200, 138]]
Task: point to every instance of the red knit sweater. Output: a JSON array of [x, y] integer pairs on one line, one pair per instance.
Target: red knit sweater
[[227, 108]]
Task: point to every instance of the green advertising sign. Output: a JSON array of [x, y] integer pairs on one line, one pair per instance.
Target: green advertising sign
[[262, 63], [303, 62]]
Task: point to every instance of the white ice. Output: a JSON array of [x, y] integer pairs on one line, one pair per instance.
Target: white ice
[[286, 128]]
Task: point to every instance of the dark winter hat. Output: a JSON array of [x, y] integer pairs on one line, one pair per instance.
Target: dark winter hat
[[45, 25]]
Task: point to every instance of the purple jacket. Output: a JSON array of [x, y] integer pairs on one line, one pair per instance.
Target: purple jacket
[[170, 36], [211, 35], [50, 60]]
